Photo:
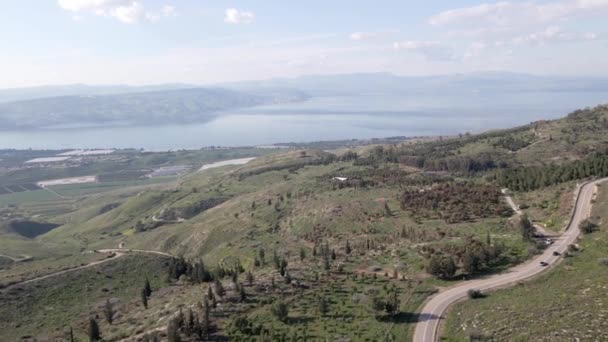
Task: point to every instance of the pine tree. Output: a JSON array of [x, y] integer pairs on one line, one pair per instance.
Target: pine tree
[[189, 326], [94, 334], [250, 278], [287, 278], [242, 293], [282, 266], [147, 288], [326, 264], [333, 254], [71, 336], [210, 294], [302, 254], [173, 331], [347, 248], [144, 298], [280, 310], [387, 210], [205, 320], [219, 288], [322, 305], [276, 260], [108, 311]]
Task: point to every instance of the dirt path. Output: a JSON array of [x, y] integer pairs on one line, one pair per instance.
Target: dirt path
[[539, 229], [23, 257], [113, 254]]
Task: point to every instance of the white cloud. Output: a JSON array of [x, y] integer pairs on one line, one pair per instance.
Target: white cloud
[[235, 16], [92, 5], [432, 50], [129, 14], [168, 11], [475, 49], [362, 35], [126, 11], [509, 14], [553, 34], [371, 35]]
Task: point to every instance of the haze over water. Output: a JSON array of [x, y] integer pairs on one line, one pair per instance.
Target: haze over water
[[324, 118]]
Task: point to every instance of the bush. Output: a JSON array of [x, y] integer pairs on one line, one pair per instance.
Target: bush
[[280, 311], [603, 261], [587, 227], [474, 294]]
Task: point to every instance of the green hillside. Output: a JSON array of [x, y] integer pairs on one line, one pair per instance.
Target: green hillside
[[344, 240]]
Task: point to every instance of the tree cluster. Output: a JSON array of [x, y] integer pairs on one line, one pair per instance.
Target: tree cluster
[[537, 177], [455, 202]]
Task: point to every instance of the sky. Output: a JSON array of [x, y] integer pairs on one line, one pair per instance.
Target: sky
[[46, 42]]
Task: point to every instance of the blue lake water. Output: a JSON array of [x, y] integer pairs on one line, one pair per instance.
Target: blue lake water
[[324, 118]]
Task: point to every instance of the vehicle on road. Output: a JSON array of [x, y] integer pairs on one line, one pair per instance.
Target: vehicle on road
[[544, 263], [556, 253]]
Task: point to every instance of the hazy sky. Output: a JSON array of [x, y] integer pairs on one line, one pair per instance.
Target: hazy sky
[[201, 41]]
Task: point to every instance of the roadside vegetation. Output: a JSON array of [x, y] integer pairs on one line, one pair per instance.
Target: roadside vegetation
[[565, 304], [344, 244]]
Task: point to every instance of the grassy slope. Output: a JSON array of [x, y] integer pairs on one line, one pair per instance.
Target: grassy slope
[[236, 228], [50, 306], [567, 304]]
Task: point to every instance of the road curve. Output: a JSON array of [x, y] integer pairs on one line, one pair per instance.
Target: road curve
[[430, 316], [118, 252]]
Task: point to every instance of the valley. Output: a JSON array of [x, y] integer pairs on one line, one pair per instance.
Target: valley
[[345, 242]]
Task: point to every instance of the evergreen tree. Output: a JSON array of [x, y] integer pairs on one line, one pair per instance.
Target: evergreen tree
[[333, 254], [322, 305], [210, 294], [147, 288], [441, 266], [347, 249], [144, 298], [94, 333], [71, 336], [242, 293], [326, 264], [387, 210], [250, 278], [302, 254], [219, 288], [283, 266], [173, 331], [189, 326], [205, 319], [280, 310], [276, 260], [392, 303], [108, 311]]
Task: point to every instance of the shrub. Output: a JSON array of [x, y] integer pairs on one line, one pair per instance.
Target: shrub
[[587, 227], [280, 311], [474, 294]]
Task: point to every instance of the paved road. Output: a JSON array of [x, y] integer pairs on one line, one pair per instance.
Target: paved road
[[431, 314]]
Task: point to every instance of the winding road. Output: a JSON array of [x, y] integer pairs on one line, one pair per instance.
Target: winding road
[[118, 252], [427, 328]]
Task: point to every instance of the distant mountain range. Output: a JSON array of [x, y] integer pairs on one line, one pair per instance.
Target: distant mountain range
[[386, 83], [83, 105], [92, 107]]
